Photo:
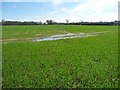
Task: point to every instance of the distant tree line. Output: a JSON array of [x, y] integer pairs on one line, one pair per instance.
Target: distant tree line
[[51, 22]]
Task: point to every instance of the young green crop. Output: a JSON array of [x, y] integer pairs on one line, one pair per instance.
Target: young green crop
[[12, 32], [69, 63]]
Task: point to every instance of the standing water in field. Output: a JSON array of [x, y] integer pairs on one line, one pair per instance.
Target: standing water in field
[[64, 36]]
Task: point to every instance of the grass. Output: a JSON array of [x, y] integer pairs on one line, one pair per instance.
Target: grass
[[70, 63]]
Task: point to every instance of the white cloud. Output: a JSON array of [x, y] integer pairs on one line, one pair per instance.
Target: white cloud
[[57, 2], [91, 10], [57, 11], [97, 10], [96, 5]]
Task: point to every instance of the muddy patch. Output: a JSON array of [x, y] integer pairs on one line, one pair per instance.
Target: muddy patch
[[16, 40]]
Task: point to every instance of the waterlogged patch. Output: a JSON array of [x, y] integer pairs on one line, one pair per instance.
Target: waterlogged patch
[[55, 37], [69, 35], [65, 36]]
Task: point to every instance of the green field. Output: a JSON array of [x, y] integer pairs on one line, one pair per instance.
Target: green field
[[68, 63]]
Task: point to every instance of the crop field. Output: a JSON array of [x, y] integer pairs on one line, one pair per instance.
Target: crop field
[[89, 62]]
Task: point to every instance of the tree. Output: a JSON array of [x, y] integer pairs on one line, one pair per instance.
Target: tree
[[49, 22], [67, 21], [3, 20]]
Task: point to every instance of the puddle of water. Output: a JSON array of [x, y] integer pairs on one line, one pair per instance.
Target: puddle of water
[[64, 36]]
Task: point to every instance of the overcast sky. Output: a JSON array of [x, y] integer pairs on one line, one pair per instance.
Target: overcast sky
[[60, 10]]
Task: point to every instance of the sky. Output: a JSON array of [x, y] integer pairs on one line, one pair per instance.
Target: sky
[[60, 10]]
